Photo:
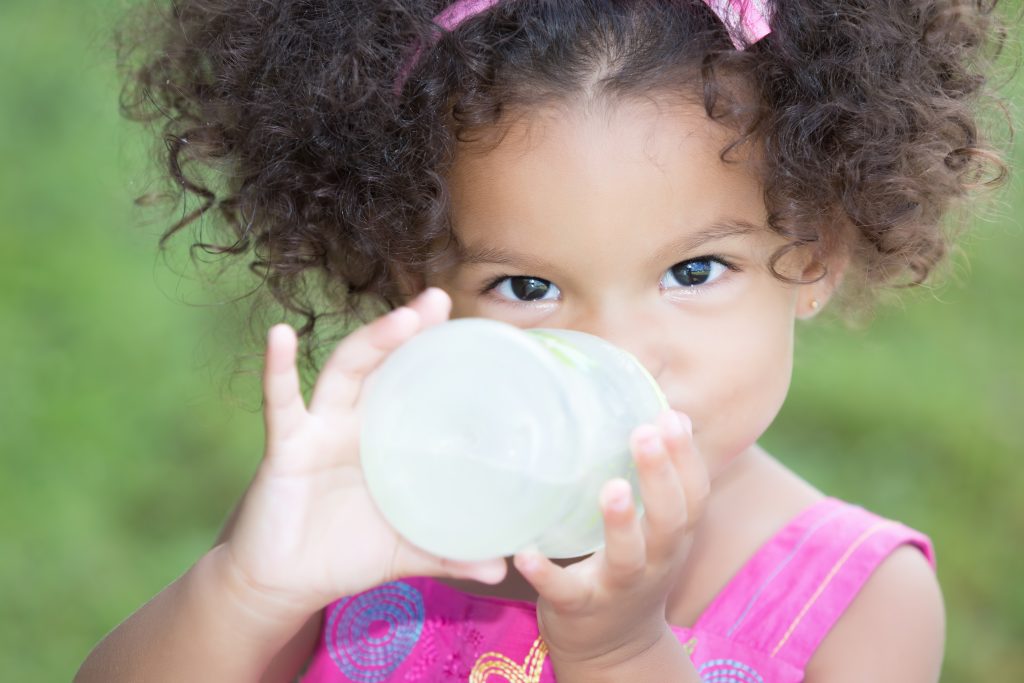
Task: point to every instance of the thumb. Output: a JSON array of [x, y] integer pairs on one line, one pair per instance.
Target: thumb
[[411, 560], [486, 571]]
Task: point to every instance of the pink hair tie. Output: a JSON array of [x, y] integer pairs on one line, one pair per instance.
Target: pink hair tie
[[746, 21]]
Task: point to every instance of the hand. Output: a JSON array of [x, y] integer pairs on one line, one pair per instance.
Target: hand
[[605, 610], [307, 531]]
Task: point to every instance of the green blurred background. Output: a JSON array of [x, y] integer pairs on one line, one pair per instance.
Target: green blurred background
[[127, 430]]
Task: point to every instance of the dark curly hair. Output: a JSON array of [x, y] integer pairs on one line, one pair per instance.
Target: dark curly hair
[[866, 111]]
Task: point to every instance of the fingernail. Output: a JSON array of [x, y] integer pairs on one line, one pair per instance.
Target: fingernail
[[685, 423], [398, 311], [277, 333], [491, 574], [649, 444], [619, 503], [527, 562], [670, 423], [428, 292]]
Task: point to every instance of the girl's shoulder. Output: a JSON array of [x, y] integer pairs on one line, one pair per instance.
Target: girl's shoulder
[[829, 587], [894, 629]]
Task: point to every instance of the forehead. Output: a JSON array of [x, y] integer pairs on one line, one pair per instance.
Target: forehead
[[638, 169]]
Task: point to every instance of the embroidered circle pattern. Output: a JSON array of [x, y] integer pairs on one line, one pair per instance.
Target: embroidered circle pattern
[[728, 671], [369, 635]]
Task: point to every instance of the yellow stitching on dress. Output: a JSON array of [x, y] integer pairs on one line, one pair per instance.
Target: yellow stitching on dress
[[690, 646], [828, 579], [497, 664]]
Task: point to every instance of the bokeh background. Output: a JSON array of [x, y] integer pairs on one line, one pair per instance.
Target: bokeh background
[[129, 413]]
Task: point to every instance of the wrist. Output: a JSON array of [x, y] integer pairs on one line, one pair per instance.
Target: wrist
[[264, 610], [656, 658]]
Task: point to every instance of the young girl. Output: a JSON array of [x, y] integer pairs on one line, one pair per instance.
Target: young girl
[[685, 178]]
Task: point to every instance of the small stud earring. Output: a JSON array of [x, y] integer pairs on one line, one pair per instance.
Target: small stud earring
[[815, 305]]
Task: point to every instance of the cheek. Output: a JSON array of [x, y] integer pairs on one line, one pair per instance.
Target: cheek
[[747, 372], [759, 392], [467, 307]]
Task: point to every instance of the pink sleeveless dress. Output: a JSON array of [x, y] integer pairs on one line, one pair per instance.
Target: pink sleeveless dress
[[762, 628]]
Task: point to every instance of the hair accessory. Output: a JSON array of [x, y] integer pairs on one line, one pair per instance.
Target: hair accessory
[[746, 21]]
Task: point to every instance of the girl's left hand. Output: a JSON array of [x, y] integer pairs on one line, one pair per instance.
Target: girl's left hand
[[605, 610]]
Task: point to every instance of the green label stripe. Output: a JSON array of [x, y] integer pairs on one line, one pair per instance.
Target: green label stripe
[[565, 352], [662, 400], [572, 356]]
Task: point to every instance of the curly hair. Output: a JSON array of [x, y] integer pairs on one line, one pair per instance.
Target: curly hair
[[866, 111]]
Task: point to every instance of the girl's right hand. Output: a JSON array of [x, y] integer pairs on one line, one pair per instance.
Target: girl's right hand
[[307, 531]]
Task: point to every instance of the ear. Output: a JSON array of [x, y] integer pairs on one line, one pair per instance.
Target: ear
[[823, 279]]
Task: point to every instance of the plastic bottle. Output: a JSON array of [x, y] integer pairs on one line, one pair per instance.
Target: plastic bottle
[[480, 439]]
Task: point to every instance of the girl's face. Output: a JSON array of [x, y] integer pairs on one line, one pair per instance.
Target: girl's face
[[623, 222]]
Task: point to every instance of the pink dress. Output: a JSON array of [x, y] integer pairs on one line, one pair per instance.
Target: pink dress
[[762, 628]]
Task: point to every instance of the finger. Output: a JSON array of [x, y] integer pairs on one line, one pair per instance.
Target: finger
[[342, 376], [283, 408], [564, 589], [665, 510], [677, 432], [625, 552], [411, 560], [491, 572], [434, 306]]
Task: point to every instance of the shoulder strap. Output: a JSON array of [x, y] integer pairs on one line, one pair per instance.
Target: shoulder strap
[[794, 589]]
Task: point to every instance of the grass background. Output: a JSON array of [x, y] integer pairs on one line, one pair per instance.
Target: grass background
[[125, 436]]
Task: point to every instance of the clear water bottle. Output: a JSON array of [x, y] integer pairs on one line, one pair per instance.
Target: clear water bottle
[[480, 439]]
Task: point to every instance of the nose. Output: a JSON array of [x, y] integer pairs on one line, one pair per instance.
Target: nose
[[635, 331]]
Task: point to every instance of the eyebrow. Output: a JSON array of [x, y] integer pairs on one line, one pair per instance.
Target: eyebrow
[[718, 230]]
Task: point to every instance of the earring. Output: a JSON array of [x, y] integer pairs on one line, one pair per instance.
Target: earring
[[815, 305]]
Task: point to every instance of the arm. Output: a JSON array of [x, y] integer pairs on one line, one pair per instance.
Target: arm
[[123, 653], [894, 630], [292, 659], [209, 625], [248, 608]]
